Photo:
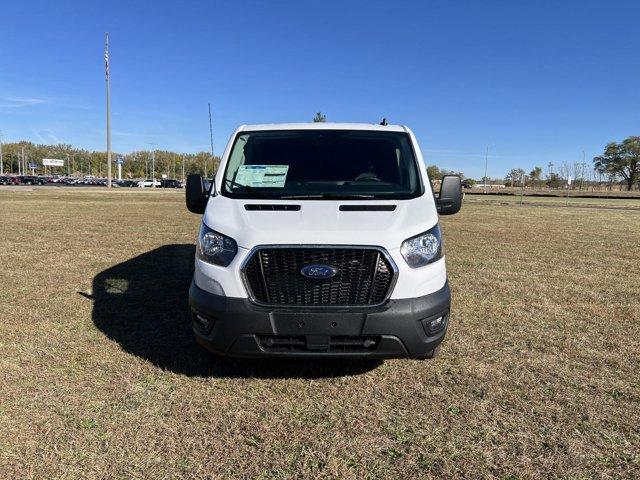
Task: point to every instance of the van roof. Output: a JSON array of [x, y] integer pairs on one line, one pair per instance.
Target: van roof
[[323, 126]]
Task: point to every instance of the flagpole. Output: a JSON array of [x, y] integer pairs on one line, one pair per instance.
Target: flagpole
[[106, 69]]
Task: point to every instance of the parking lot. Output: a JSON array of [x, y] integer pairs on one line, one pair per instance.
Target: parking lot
[[87, 181]]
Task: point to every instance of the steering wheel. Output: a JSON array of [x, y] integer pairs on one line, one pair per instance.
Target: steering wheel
[[367, 176]]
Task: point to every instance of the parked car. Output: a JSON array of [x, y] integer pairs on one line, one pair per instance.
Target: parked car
[[148, 183], [170, 183], [32, 180], [12, 180], [126, 183], [321, 240], [88, 180]]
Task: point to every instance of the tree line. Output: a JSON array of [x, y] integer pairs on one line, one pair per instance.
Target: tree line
[[79, 162], [618, 164]]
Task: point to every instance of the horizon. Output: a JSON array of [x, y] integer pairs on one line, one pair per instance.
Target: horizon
[[533, 83]]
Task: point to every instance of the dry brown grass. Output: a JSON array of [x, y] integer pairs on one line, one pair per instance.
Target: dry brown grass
[[539, 375], [622, 203], [616, 192]]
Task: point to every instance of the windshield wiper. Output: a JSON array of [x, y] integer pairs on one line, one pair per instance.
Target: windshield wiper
[[249, 189], [347, 196], [330, 196], [300, 195]]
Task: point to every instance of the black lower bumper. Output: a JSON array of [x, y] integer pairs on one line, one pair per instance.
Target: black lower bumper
[[406, 328]]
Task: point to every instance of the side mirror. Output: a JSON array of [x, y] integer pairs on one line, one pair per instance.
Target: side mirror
[[196, 194], [450, 199]]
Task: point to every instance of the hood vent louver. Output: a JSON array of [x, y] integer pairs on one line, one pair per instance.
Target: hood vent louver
[[271, 207], [367, 208]]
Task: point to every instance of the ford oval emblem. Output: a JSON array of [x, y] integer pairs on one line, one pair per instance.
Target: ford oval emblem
[[318, 272]]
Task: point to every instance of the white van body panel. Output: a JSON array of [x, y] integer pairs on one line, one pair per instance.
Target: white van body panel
[[320, 222]]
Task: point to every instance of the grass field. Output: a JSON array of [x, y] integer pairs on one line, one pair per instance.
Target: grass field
[[100, 378], [625, 203], [575, 192]]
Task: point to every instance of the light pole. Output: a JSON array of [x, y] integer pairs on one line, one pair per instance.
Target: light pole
[[153, 167], [486, 161], [211, 137], [584, 164], [1, 159]]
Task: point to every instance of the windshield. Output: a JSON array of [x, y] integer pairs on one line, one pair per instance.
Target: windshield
[[323, 164]]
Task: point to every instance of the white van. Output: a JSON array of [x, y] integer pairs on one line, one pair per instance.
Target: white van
[[321, 240]]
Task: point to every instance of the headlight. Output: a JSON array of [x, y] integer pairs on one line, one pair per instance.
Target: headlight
[[423, 249], [215, 248]]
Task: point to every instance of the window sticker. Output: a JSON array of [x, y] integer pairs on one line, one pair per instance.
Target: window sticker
[[272, 176]]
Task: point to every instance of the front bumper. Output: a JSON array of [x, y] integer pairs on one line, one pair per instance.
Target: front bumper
[[398, 329]]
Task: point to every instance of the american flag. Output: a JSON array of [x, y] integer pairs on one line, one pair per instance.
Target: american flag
[[106, 54]]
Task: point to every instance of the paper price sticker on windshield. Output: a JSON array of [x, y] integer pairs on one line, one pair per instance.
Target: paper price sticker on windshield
[[272, 176]]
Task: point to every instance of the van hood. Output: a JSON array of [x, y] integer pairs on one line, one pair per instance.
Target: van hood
[[320, 222]]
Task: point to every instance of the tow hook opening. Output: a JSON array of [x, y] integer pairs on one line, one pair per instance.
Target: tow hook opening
[[318, 343]]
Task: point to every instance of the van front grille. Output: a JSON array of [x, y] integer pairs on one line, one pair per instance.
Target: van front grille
[[363, 276]]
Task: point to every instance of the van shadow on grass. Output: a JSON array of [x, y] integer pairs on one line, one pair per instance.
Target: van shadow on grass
[[142, 304]]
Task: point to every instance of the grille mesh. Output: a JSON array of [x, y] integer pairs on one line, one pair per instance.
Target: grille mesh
[[363, 277]]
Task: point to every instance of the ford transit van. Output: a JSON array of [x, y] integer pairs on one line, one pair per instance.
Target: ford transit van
[[321, 240]]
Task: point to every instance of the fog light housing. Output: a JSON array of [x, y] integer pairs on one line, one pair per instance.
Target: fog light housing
[[201, 323], [435, 324]]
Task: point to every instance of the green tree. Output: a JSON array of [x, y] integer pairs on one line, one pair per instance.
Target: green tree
[[621, 159], [554, 180], [535, 175], [515, 176], [320, 118], [434, 172]]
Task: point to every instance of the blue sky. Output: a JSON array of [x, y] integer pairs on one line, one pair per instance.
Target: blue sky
[[536, 81]]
